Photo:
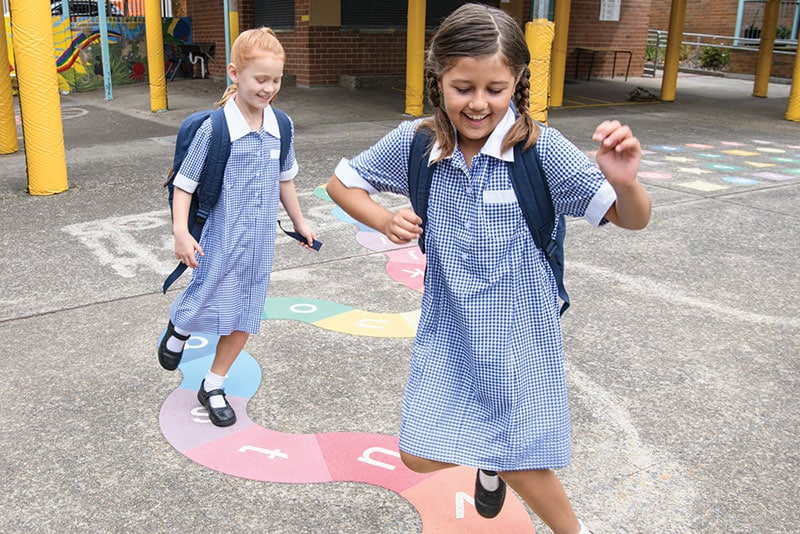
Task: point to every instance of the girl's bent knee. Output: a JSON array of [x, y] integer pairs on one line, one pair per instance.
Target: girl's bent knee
[[421, 465]]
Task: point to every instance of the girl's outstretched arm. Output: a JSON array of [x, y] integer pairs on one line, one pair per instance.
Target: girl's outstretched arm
[[618, 156], [400, 227], [290, 203]]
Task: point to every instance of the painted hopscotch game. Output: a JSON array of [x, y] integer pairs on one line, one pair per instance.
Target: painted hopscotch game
[[444, 499]]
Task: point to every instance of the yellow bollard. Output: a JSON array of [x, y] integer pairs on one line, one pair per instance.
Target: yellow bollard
[[155, 56], [39, 100], [539, 36], [415, 58], [793, 109], [8, 131]]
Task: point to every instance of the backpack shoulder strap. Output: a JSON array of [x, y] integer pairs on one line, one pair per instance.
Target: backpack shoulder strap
[[285, 128], [219, 150], [208, 190], [419, 177], [536, 202]]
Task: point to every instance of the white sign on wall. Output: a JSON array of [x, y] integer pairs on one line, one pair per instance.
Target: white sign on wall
[[609, 10]]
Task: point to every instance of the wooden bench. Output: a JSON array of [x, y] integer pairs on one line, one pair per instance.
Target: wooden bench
[[594, 51]]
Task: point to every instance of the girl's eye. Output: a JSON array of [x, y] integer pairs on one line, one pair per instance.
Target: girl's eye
[[462, 90]]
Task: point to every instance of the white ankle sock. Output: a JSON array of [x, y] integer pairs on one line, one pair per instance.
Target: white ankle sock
[[173, 343], [489, 482], [214, 381], [584, 530]]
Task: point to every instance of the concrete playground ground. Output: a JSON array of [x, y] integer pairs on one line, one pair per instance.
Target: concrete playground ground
[[682, 342]]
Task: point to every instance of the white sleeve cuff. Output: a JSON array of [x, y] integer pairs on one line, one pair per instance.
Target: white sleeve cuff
[[601, 201], [290, 174], [349, 177], [182, 182]]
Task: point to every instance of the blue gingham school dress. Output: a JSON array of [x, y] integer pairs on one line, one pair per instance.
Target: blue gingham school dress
[[229, 286], [486, 386]]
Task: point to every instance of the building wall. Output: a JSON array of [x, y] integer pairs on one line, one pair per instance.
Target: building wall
[[587, 30], [208, 26], [744, 61], [714, 17], [319, 53]]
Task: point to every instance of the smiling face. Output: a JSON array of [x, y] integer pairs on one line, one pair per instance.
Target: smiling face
[[476, 93], [258, 81]]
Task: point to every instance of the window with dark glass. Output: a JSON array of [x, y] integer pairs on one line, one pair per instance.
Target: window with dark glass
[[275, 14], [389, 14]]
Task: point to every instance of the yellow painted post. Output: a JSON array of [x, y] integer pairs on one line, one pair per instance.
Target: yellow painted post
[[415, 58], [39, 101], [559, 59], [669, 83], [155, 56], [233, 19], [8, 126], [539, 35], [769, 28], [793, 109]]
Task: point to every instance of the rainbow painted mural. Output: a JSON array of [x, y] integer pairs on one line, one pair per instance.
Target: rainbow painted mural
[[77, 49]]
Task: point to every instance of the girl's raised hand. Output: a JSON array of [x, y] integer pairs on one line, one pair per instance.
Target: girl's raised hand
[[619, 153], [403, 226]]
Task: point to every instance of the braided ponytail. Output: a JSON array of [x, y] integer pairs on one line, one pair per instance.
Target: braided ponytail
[[524, 129], [477, 30]]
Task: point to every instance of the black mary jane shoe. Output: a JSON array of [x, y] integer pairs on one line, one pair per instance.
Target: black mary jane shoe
[[168, 359], [224, 416], [489, 503]]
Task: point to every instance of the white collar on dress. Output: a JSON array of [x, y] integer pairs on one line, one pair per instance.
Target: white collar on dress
[[238, 127], [493, 143]]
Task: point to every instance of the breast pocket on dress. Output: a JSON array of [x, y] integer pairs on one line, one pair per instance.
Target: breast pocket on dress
[[501, 213]]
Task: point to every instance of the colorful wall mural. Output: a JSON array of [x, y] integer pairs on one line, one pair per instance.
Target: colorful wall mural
[[77, 49]]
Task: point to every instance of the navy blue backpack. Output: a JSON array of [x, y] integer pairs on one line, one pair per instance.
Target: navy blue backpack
[[205, 196], [530, 186]]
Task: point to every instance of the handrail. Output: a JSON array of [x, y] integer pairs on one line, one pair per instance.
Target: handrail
[[658, 39]]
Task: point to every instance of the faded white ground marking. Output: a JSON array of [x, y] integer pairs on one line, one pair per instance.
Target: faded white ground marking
[[656, 290], [115, 242], [638, 481]]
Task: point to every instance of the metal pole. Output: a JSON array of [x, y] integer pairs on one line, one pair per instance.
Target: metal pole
[[764, 63], [226, 17], [669, 82], [793, 109], [738, 31], [105, 55], [558, 60]]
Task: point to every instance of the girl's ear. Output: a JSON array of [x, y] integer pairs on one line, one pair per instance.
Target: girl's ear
[[232, 72]]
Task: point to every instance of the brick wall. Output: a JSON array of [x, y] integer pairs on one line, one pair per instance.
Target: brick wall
[[208, 27], [587, 30], [744, 61], [318, 55], [714, 17]]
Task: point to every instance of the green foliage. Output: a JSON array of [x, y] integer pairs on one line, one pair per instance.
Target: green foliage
[[713, 57], [783, 33]]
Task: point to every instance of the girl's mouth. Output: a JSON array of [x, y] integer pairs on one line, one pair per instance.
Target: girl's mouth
[[475, 118]]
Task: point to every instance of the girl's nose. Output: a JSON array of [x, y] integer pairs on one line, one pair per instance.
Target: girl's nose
[[478, 101]]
